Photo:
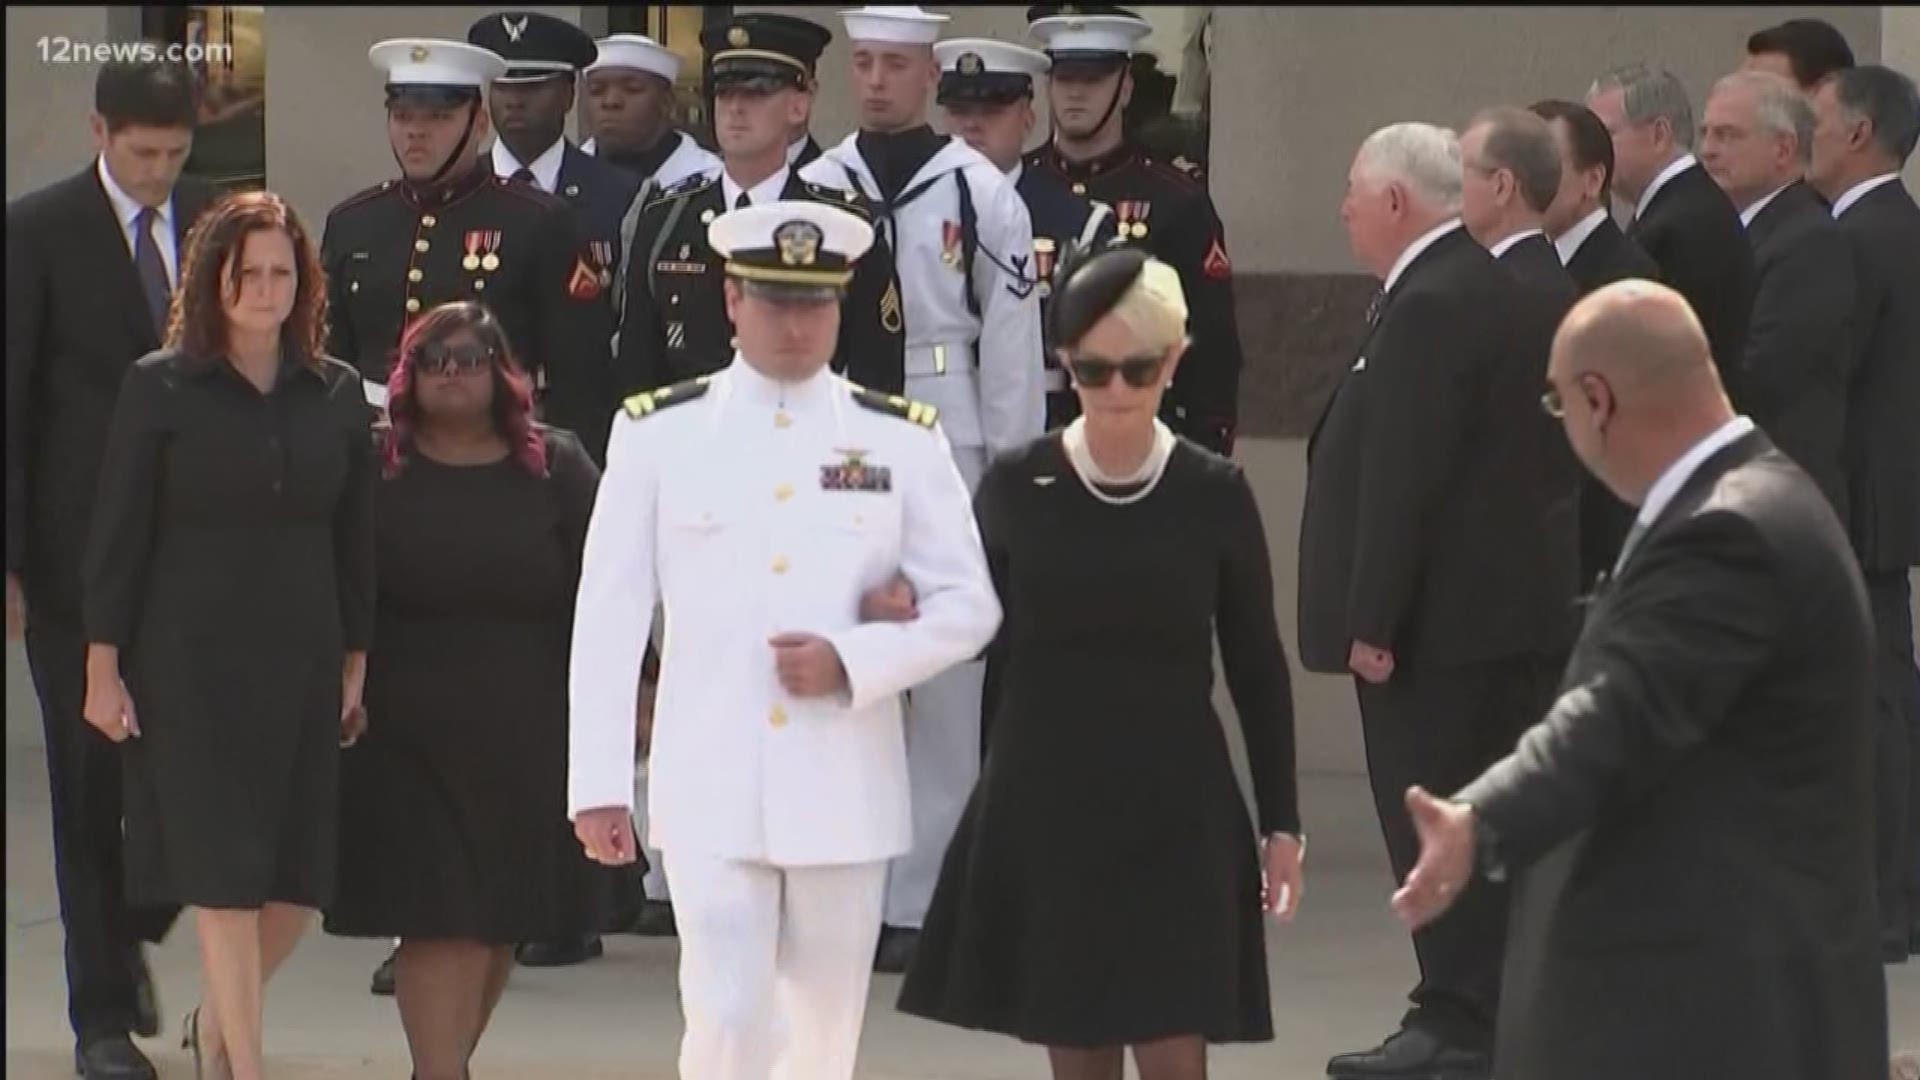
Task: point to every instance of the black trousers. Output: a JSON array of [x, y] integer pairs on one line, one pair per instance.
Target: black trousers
[[1440, 729], [1897, 752], [83, 773]]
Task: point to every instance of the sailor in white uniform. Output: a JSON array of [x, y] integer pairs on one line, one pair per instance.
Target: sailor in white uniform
[[620, 56], [963, 251], [759, 505]]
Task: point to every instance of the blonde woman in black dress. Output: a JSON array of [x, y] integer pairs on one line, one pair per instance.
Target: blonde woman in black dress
[[1105, 889]]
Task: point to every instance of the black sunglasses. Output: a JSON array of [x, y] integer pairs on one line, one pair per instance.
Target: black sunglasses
[[437, 358], [1139, 371]]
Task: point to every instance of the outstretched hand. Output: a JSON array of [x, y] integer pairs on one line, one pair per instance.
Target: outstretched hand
[[1446, 859]]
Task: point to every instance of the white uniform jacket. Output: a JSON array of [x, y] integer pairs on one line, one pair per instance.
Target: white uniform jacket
[[983, 374], [749, 508], [687, 158]]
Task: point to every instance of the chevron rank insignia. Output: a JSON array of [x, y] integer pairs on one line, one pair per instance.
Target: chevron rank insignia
[[648, 402], [895, 405]]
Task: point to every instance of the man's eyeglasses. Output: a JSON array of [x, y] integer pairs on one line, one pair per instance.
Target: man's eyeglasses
[[1139, 371], [1550, 401], [437, 358]]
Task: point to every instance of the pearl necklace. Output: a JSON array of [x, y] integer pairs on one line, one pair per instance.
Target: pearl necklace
[[1074, 441]]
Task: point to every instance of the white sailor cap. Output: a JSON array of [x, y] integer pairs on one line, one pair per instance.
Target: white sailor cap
[[800, 248], [985, 70], [896, 24], [639, 52], [436, 63], [1090, 37]]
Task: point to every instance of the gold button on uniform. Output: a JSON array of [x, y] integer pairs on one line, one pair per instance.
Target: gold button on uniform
[[416, 274], [421, 244], [1079, 188], [780, 564], [778, 717], [428, 222], [413, 304], [781, 419], [783, 492]]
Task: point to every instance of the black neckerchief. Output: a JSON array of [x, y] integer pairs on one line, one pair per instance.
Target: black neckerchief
[[648, 162], [894, 156]]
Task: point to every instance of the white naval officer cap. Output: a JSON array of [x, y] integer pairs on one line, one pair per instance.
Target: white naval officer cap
[[893, 24], [431, 62], [791, 248], [637, 52], [985, 70]]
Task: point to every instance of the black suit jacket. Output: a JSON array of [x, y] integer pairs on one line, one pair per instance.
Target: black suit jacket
[[1693, 232], [1425, 530], [1800, 347], [600, 194], [77, 319], [1606, 256], [1883, 437], [1690, 826]]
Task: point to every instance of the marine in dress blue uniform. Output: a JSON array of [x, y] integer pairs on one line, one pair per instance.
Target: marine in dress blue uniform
[[984, 74], [758, 505]]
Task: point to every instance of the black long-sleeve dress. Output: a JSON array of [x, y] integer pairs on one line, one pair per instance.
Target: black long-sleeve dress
[[1103, 886], [453, 806], [231, 561]]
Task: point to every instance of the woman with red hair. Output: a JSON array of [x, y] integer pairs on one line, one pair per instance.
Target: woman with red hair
[[228, 604], [453, 809]]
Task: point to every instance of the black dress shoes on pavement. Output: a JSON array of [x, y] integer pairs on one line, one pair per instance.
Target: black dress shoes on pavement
[[1412, 1054], [383, 975], [111, 1057], [146, 1003], [655, 919], [895, 951], [563, 953]]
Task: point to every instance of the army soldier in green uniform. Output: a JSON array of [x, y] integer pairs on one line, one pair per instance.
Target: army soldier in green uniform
[[448, 229], [674, 322], [1159, 205]]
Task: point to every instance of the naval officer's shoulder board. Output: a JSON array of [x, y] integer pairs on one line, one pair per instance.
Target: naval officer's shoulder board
[[917, 412], [648, 402]]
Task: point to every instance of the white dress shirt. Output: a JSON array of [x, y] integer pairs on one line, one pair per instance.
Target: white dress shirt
[[545, 168], [1426, 240], [1502, 247], [735, 510], [127, 210], [1569, 243], [766, 191], [1859, 191], [1751, 212], [1677, 474], [1674, 168]]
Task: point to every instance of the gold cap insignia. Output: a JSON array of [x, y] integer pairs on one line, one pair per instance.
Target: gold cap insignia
[[970, 64], [799, 242], [738, 37], [419, 54]]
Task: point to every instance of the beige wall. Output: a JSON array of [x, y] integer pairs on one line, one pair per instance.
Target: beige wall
[[1900, 50], [1297, 88], [48, 103], [326, 124]]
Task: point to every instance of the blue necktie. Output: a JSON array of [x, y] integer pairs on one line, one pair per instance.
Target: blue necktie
[[153, 271]]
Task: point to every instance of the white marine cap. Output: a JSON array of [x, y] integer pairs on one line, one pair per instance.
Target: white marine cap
[[433, 62], [1089, 35], [639, 52], [896, 24], [990, 57], [803, 245]]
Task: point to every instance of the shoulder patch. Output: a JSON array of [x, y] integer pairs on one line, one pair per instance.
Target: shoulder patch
[[358, 197], [837, 196], [648, 402], [699, 181], [894, 405]]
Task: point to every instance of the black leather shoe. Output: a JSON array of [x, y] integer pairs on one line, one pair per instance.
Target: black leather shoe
[[895, 951], [112, 1057], [146, 1003], [564, 953], [655, 919], [1412, 1054], [383, 975]]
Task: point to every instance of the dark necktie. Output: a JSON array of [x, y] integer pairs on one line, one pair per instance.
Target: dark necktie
[[1374, 305], [1634, 534], [153, 271], [742, 202], [524, 175]]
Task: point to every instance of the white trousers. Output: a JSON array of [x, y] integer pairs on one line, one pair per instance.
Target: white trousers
[[774, 966], [943, 762], [655, 883]]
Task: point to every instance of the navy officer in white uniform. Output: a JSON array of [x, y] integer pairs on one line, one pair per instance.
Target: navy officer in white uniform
[[963, 247], [760, 505]]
